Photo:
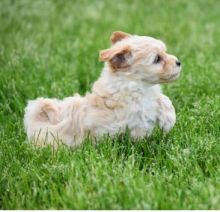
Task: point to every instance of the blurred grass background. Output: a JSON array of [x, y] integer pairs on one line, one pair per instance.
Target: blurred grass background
[[50, 48]]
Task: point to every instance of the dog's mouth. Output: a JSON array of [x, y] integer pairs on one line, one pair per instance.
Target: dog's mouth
[[171, 78], [174, 76]]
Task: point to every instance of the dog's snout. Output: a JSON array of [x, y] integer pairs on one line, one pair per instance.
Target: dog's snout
[[178, 63]]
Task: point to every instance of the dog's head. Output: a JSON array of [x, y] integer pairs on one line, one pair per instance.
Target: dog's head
[[141, 58]]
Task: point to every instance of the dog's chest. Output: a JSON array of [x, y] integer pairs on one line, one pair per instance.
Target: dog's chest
[[140, 109], [143, 112]]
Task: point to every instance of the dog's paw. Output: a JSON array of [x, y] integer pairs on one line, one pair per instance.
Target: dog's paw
[[166, 114]]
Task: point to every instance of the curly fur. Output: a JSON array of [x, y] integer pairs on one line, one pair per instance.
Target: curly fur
[[127, 95]]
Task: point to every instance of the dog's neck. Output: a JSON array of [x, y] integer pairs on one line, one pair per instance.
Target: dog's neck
[[111, 83]]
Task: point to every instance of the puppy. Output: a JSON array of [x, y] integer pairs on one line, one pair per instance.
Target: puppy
[[126, 95]]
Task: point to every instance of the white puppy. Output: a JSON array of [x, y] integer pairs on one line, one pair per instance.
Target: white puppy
[[127, 95]]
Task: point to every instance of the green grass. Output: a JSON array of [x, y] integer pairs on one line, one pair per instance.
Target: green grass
[[50, 48]]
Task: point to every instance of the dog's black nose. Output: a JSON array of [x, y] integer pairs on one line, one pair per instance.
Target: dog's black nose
[[178, 63]]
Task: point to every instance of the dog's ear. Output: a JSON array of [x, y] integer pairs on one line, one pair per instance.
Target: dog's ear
[[118, 57], [117, 36]]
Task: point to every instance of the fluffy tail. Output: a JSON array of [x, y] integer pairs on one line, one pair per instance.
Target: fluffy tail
[[41, 120]]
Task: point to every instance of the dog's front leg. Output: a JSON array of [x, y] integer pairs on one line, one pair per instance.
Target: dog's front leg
[[166, 113]]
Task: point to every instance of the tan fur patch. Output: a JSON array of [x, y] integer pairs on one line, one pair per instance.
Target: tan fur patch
[[108, 54], [120, 60], [117, 36], [116, 56]]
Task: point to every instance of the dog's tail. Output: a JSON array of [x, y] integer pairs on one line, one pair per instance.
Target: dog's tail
[[41, 121]]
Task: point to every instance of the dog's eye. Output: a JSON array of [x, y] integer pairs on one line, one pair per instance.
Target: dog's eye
[[157, 59]]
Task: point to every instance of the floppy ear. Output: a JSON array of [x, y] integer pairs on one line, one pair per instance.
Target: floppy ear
[[117, 57], [117, 36]]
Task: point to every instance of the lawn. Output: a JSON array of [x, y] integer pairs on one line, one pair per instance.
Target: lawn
[[50, 48]]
